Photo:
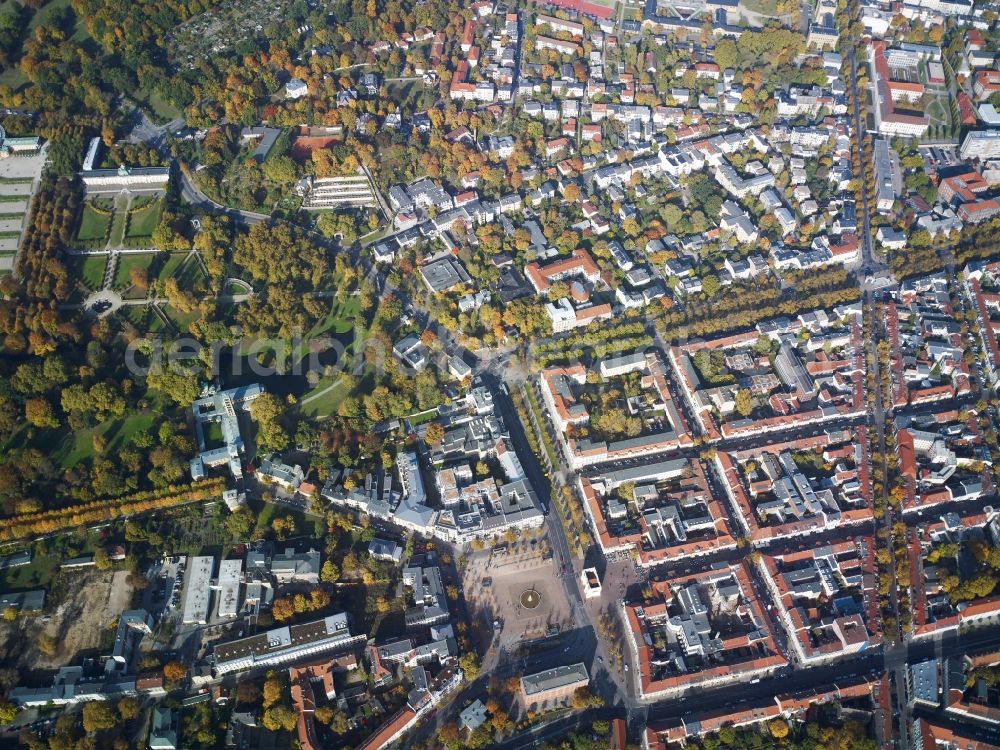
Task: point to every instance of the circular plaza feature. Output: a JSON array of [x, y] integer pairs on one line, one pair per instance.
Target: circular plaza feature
[[530, 599]]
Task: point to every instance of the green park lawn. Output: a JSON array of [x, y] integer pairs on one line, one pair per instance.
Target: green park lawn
[[35, 574], [235, 289], [409, 94], [13, 77], [70, 448], [93, 225], [143, 221], [88, 269], [117, 228], [143, 318], [169, 268], [339, 320], [213, 434], [77, 447], [160, 109], [179, 319], [764, 7], [319, 402], [326, 404], [190, 275], [123, 273]]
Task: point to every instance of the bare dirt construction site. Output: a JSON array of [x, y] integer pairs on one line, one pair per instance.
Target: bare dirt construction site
[[81, 607]]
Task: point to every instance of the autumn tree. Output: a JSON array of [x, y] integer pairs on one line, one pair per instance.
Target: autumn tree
[[46, 644], [278, 718], [267, 411], [174, 671], [139, 277], [434, 433], [39, 412], [329, 572], [743, 402], [247, 691], [128, 708], [778, 728], [273, 690], [470, 665], [102, 561], [98, 716]]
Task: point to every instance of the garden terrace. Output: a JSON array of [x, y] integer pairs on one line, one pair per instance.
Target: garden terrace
[[663, 510], [942, 459], [621, 408], [826, 598], [786, 372], [954, 571], [801, 486], [700, 630], [926, 355]]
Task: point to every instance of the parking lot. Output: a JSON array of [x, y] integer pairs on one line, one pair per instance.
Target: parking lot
[[164, 590]]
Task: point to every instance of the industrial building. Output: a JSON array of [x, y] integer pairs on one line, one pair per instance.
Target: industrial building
[[197, 590]]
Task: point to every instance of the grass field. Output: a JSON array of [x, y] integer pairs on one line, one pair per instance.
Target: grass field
[[77, 447], [340, 319], [939, 112], [304, 522], [190, 275], [89, 269], [410, 94], [234, 289], [126, 263], [323, 399], [12, 77], [35, 574], [179, 319], [117, 228], [93, 225], [327, 403], [764, 7], [213, 434], [70, 448], [338, 322], [161, 110], [142, 318], [170, 266], [143, 221]]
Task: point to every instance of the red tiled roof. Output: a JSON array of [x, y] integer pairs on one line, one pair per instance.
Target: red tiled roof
[[388, 731], [579, 261], [585, 7]]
